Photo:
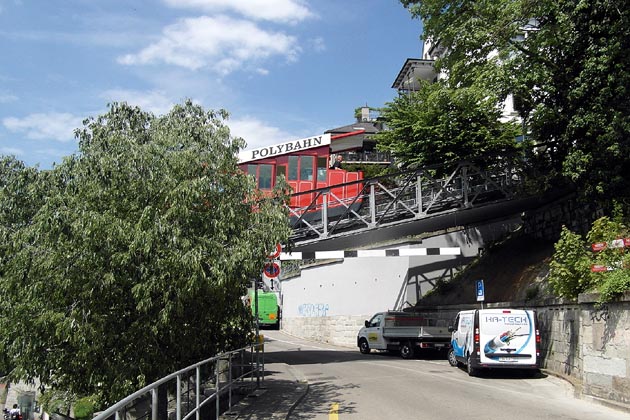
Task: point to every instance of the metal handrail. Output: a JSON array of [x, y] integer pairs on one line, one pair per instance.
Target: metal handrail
[[400, 197], [183, 378]]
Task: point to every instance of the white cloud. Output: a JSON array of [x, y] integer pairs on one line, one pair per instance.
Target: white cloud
[[5, 98], [256, 133], [153, 101], [11, 151], [286, 11], [219, 43], [318, 44], [50, 126]]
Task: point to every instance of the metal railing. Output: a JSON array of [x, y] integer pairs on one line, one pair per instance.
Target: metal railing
[[186, 392], [399, 197]]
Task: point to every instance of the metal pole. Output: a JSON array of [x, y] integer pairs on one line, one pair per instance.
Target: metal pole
[[154, 404], [372, 206], [419, 194], [178, 409], [197, 392], [257, 337], [325, 213], [218, 386], [230, 383]]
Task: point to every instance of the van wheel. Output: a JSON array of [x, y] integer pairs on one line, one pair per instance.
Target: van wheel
[[469, 368], [364, 347], [407, 350], [451, 358]]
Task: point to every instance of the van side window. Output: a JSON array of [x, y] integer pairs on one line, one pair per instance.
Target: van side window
[[465, 323], [456, 323]]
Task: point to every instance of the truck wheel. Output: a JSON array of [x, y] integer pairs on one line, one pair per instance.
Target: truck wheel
[[451, 358], [407, 350], [469, 367], [364, 347]]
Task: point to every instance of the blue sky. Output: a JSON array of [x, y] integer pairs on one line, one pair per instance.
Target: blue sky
[[283, 69]]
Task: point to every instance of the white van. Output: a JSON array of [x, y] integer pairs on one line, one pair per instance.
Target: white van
[[495, 338]]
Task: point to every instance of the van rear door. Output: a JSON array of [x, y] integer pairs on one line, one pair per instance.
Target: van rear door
[[508, 337]]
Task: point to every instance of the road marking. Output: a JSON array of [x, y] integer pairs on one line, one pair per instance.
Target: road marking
[[333, 414]]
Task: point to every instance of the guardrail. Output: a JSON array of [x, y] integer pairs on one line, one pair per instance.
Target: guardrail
[[186, 392], [398, 198]]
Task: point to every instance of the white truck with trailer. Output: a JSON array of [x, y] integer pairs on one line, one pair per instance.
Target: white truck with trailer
[[407, 332], [495, 338]]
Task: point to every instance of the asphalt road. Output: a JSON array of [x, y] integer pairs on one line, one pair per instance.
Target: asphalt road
[[344, 384]]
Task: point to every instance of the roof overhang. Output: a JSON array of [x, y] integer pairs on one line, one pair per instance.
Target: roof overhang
[[413, 70]]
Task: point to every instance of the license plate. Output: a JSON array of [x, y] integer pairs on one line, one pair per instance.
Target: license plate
[[507, 359], [440, 345]]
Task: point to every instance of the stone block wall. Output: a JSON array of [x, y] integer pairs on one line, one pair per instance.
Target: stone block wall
[[337, 330], [559, 326], [605, 339], [546, 222]]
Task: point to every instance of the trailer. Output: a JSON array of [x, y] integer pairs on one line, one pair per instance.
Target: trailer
[[407, 332]]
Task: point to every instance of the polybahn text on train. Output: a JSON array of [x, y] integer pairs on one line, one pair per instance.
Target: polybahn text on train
[[306, 165]]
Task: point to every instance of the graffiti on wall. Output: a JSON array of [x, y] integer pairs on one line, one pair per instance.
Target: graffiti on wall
[[313, 309]]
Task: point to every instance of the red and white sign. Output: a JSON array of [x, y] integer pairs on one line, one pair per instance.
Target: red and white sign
[[617, 243], [276, 253], [272, 270], [596, 268]]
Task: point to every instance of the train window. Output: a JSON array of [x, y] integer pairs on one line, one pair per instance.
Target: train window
[[306, 168], [252, 169], [293, 168], [281, 170], [322, 167], [264, 176]]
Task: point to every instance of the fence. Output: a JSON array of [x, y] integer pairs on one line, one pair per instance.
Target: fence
[[191, 391]]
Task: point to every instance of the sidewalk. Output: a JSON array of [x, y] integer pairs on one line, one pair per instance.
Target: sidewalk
[[282, 389]]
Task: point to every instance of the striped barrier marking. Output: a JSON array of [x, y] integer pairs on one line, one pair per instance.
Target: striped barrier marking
[[371, 253]]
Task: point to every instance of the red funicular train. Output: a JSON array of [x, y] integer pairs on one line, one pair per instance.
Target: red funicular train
[[305, 163]]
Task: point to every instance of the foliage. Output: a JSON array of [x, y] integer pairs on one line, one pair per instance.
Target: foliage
[[570, 272], [439, 124], [84, 408], [564, 62], [22, 193], [369, 170], [56, 401], [134, 256]]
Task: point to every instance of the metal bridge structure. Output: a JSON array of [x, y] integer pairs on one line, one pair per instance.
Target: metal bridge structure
[[404, 197]]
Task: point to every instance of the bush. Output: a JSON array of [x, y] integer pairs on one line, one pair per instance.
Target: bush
[[570, 271], [84, 408]]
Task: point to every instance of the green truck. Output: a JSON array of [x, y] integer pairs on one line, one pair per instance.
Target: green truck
[[269, 312]]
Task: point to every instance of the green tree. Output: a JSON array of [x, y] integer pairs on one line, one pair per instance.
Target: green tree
[[22, 192], [438, 124], [566, 64], [134, 263]]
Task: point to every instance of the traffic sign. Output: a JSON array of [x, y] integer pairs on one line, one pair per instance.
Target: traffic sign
[[276, 252], [272, 270], [617, 243], [480, 291]]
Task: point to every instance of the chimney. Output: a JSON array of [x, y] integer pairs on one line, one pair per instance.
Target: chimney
[[365, 114]]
